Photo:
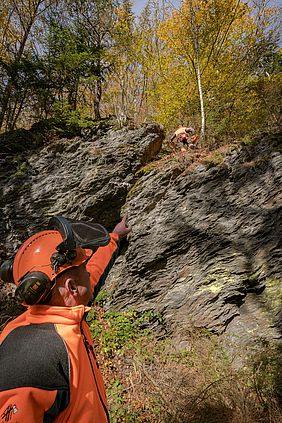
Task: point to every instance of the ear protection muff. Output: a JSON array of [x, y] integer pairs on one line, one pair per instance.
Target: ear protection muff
[[34, 287], [6, 270]]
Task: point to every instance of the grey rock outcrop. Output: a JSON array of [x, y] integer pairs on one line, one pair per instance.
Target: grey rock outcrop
[[206, 242], [84, 177]]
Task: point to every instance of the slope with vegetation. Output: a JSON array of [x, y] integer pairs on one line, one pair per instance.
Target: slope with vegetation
[[192, 324], [168, 380], [189, 328]]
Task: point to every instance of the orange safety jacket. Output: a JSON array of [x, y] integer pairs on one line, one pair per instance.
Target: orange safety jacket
[[48, 369]]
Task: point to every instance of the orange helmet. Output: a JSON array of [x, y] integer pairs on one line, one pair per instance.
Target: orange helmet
[[47, 254], [36, 252], [39, 261]]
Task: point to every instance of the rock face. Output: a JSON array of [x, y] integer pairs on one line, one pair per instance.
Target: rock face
[[84, 177], [206, 242]]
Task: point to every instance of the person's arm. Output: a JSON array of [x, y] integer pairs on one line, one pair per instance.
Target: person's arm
[[195, 139], [28, 405], [103, 260], [101, 263]]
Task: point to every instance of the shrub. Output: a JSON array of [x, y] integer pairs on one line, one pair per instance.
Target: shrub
[[175, 381]]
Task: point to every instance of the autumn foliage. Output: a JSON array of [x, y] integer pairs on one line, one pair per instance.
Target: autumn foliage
[[211, 64]]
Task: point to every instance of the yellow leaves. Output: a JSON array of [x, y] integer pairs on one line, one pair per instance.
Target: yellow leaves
[[173, 97], [123, 22], [16, 19], [227, 35]]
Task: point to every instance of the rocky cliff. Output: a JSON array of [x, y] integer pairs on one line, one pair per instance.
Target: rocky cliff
[[205, 249]]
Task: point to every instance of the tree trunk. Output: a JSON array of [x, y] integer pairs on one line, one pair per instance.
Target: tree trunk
[[5, 102], [97, 99], [203, 117], [17, 59], [199, 79]]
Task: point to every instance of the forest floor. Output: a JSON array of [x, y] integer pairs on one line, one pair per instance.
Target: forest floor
[[152, 380]]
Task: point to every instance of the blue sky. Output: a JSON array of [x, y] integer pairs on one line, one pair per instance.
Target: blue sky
[[138, 6]]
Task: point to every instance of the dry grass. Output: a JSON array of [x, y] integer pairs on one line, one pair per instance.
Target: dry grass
[[187, 161], [152, 381]]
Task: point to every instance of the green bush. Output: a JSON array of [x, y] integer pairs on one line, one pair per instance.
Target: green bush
[[119, 329]]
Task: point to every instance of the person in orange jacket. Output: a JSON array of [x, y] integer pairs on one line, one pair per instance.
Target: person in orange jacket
[[48, 369], [185, 137]]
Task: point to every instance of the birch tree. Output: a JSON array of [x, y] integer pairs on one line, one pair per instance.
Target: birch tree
[[216, 47], [198, 68]]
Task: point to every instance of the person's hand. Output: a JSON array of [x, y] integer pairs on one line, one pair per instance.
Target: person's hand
[[194, 138], [121, 228]]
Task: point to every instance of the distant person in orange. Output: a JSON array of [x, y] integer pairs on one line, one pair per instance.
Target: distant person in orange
[[184, 137], [48, 368]]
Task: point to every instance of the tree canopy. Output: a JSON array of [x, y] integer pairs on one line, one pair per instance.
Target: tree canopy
[[211, 64]]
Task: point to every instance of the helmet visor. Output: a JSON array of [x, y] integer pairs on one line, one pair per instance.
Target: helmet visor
[[77, 233]]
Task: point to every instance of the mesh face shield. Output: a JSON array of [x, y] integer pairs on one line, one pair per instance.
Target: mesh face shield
[[77, 233], [89, 235]]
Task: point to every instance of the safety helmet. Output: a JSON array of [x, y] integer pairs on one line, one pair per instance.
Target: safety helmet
[[37, 254], [45, 255], [190, 130]]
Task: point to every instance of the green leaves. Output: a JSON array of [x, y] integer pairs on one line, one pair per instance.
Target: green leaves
[[118, 329]]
